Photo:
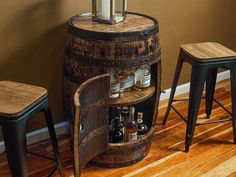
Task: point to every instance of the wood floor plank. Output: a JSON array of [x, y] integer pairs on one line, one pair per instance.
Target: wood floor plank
[[212, 152], [224, 169]]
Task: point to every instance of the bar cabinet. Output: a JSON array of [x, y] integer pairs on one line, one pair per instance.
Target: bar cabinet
[[93, 49]]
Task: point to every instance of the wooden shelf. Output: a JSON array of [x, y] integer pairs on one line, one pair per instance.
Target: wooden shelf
[[132, 143], [133, 97], [124, 154]]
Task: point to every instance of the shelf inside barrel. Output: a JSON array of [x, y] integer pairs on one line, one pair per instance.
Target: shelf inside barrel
[[133, 96], [132, 143]]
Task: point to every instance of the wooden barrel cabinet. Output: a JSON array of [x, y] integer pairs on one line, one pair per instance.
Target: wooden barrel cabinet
[[93, 49]]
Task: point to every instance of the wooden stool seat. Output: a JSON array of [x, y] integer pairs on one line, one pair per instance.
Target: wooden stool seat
[[208, 51], [18, 103], [205, 59], [15, 97]]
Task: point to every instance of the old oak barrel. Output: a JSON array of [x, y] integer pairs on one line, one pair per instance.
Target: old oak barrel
[[92, 49]]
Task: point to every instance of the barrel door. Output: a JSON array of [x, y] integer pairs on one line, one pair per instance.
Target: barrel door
[[91, 120]]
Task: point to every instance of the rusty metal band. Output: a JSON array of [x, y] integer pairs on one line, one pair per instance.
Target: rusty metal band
[[113, 63], [117, 164], [93, 106], [122, 36]]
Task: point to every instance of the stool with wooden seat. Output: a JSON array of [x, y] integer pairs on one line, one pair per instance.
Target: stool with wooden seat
[[205, 59], [18, 103]]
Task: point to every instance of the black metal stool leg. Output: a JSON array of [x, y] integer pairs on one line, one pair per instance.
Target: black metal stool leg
[[210, 89], [14, 134], [50, 125], [173, 88], [198, 78], [233, 98]]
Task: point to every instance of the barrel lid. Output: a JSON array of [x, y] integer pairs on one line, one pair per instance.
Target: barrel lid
[[135, 26]]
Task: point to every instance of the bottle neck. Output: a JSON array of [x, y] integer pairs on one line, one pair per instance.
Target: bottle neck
[[132, 116]]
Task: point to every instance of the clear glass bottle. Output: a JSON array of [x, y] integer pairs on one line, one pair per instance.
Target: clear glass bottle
[[126, 78], [131, 127], [114, 92], [143, 77], [142, 128]]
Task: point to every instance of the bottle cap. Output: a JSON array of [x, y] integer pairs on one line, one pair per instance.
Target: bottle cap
[[140, 118], [140, 115]]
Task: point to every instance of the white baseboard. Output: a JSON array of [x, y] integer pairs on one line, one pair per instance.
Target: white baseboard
[[61, 128], [181, 89], [42, 134]]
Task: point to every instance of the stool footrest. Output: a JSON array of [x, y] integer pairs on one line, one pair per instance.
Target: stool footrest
[[53, 171], [184, 99], [42, 156], [180, 115], [214, 121], [222, 106]]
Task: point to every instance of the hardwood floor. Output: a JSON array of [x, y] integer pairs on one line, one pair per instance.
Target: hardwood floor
[[212, 153]]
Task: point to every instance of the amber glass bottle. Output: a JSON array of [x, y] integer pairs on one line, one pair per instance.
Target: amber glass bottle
[[131, 127]]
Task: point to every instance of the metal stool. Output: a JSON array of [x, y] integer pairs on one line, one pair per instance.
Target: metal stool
[[18, 103], [205, 59]]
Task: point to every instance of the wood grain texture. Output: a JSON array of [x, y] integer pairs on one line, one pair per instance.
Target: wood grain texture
[[132, 23], [16, 97], [91, 120], [125, 154], [88, 56], [208, 51], [212, 148]]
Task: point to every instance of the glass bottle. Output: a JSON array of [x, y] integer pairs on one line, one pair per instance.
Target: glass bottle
[[114, 92], [125, 115], [131, 127], [118, 115], [126, 78], [143, 77], [112, 115], [142, 128], [117, 133]]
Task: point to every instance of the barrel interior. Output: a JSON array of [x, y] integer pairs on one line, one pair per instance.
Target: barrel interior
[[125, 154]]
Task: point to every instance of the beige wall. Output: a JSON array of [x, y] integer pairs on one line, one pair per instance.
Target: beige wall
[[33, 36]]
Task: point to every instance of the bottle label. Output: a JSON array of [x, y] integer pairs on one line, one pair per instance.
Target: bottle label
[[145, 80], [115, 87], [127, 84], [133, 136], [114, 95]]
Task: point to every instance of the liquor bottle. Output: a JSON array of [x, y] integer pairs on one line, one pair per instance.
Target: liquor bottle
[[143, 77], [112, 115], [142, 128], [114, 92], [117, 134], [126, 78], [125, 115], [118, 115], [131, 127]]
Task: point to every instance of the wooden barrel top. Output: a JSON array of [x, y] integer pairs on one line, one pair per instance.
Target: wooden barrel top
[[134, 25]]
